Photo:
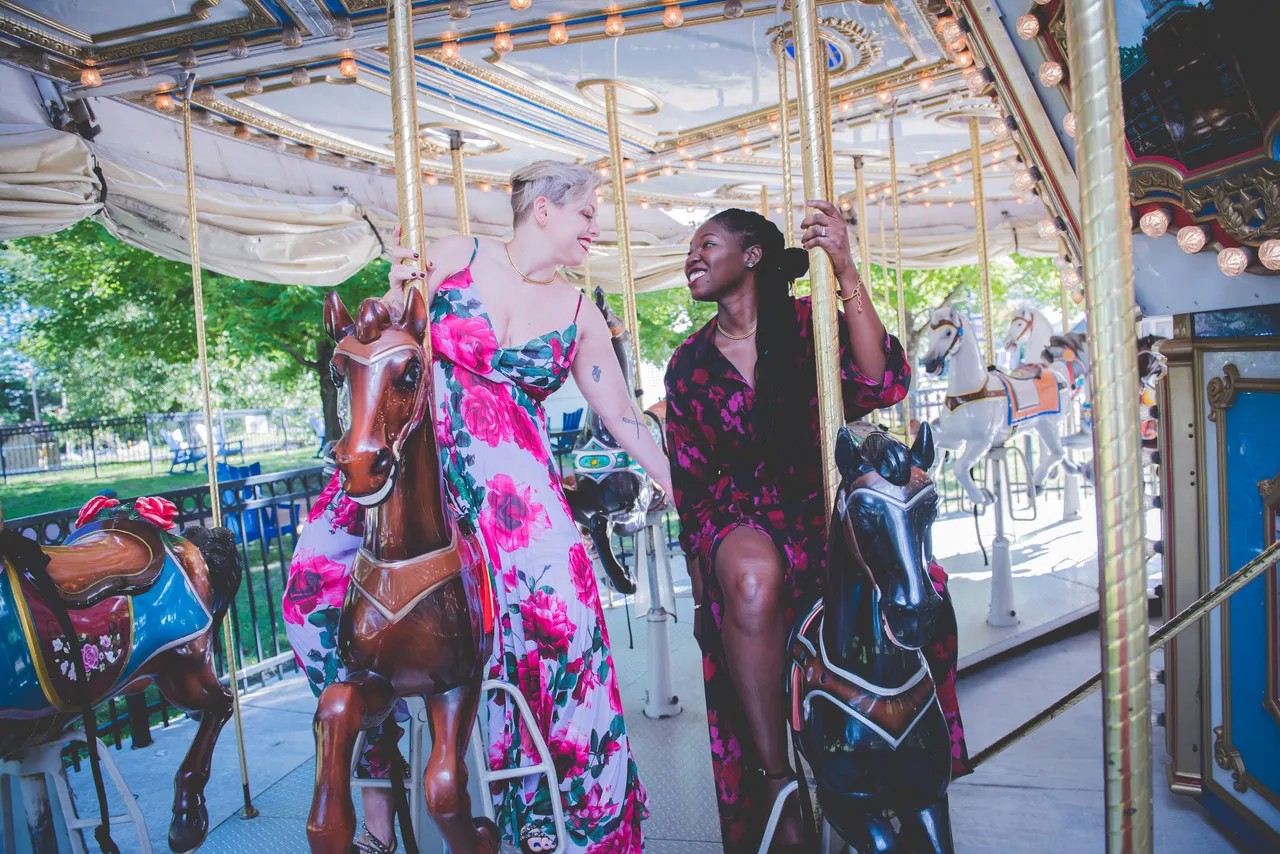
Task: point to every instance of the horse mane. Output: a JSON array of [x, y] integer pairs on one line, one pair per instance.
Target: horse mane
[[886, 456], [373, 318]]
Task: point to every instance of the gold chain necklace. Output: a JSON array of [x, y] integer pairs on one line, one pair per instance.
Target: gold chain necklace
[[743, 337], [507, 248]]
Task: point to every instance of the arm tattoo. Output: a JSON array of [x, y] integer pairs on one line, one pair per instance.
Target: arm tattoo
[[626, 420], [595, 373]]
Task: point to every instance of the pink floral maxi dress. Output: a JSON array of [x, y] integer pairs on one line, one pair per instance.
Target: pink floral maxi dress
[[552, 642]]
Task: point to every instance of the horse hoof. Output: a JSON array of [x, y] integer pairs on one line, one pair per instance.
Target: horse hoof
[[1039, 490], [488, 837], [987, 498], [188, 829]]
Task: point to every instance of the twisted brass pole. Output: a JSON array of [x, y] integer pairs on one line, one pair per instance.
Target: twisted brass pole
[[617, 171], [897, 253], [764, 201], [864, 229], [980, 226], [459, 182], [229, 642], [784, 140], [1108, 265], [404, 134], [815, 138]]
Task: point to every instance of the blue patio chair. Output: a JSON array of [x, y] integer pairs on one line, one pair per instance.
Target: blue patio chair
[[183, 455], [562, 439]]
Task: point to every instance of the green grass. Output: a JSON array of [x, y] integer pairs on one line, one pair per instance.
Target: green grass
[[33, 494]]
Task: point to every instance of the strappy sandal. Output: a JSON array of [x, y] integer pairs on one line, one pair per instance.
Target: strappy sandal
[[368, 843], [776, 847]]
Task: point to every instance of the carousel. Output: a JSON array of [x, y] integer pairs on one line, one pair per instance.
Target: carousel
[[1099, 459]]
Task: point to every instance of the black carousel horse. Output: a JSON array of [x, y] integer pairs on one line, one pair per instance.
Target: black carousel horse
[[863, 704], [610, 494]]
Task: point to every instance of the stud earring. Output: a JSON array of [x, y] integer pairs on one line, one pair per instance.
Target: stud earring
[[751, 264]]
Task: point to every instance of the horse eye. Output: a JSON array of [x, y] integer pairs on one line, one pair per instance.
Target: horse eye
[[412, 375], [335, 376]]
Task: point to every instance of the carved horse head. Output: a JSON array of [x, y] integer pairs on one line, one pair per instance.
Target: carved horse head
[[947, 329], [381, 368], [885, 508]]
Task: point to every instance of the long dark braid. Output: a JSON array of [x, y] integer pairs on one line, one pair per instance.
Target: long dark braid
[[782, 396]]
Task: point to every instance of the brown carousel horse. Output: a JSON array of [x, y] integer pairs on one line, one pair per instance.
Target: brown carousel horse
[[121, 605], [417, 619]]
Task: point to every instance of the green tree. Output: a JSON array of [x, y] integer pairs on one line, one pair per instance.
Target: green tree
[[116, 325]]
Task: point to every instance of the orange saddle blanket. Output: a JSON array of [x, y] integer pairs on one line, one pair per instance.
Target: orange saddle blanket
[[1031, 397]]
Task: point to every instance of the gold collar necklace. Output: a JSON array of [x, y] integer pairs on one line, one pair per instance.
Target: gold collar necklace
[[743, 337], [507, 248]]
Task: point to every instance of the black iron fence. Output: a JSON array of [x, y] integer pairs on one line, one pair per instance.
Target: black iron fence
[[265, 513], [162, 442]]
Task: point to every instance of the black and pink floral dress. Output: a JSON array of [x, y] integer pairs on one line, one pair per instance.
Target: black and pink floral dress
[[718, 471]]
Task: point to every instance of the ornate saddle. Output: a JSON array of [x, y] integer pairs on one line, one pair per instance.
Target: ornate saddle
[[395, 587], [120, 557], [891, 712]]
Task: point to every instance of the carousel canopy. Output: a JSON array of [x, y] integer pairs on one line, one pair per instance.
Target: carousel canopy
[[292, 145]]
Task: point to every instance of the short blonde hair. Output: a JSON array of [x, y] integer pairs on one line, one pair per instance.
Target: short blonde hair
[[560, 183]]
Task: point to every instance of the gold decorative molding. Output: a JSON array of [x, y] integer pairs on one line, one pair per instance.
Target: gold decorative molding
[[1222, 391], [1240, 200], [850, 36], [94, 51], [1269, 489], [1147, 180], [1229, 759]]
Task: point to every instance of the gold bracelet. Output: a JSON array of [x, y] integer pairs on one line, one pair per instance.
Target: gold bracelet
[[856, 295]]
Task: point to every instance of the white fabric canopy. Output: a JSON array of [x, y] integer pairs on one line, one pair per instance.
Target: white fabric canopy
[[46, 181]]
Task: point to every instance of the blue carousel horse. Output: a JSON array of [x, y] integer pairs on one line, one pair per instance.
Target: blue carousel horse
[[864, 708], [611, 493], [121, 604]]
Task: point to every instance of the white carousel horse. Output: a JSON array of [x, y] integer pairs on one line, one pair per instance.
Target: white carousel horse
[[1028, 336], [985, 408]]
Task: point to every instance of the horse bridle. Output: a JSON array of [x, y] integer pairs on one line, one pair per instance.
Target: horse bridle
[[1026, 329], [958, 327], [421, 394]]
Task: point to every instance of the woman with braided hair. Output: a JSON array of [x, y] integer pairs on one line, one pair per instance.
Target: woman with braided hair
[[742, 433]]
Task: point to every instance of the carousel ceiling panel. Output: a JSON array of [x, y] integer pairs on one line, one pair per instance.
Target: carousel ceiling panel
[[105, 30]]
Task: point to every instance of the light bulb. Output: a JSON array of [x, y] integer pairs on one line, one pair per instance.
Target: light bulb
[[667, 169], [1191, 239], [1028, 26], [1071, 277], [846, 205], [733, 9], [951, 31], [604, 171], [845, 106], [644, 205], [485, 186], [432, 179], [164, 102], [673, 15], [963, 59], [614, 26], [138, 67], [91, 77], [449, 47], [681, 150], [1069, 125], [252, 85], [1047, 229], [746, 149], [241, 132], [1024, 179], [311, 153], [342, 28], [884, 94], [300, 77], [1000, 129], [1269, 254], [1051, 73], [691, 164], [1233, 261], [717, 157], [926, 83], [187, 58], [347, 67], [502, 44], [1077, 295], [459, 9], [521, 5], [290, 37], [279, 146], [237, 47], [1154, 223], [976, 80], [558, 34]]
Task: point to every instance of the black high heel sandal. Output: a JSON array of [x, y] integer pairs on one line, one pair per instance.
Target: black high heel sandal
[[368, 843]]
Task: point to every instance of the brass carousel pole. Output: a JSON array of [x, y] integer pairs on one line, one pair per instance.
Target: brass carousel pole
[[980, 226], [229, 643], [764, 201], [404, 108], [459, 180], [1065, 295], [864, 229], [1104, 212], [784, 141], [618, 174], [884, 259], [897, 252], [815, 138]]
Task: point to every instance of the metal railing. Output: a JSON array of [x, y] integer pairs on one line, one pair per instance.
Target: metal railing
[[264, 512], [158, 441]]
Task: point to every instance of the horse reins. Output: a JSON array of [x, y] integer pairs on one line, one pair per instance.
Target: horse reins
[[958, 327]]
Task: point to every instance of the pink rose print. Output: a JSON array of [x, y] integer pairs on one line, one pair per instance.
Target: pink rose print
[[593, 810], [499, 749], [583, 575], [526, 433], [547, 623], [570, 751], [314, 580], [89, 654], [467, 341], [511, 518], [529, 675], [483, 413]]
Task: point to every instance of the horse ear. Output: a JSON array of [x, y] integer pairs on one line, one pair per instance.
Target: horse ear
[[598, 293], [922, 450], [848, 453], [415, 314], [337, 320]]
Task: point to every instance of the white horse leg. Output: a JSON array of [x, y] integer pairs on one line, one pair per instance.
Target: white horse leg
[[974, 450], [1047, 429]]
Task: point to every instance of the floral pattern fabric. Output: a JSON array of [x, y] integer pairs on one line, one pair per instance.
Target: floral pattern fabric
[[553, 644], [319, 574], [718, 472]]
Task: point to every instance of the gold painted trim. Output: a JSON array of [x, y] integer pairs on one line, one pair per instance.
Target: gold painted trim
[[258, 18], [869, 46], [1269, 490], [1221, 394]]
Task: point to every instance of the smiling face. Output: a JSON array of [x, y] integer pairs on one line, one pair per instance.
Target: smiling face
[[568, 229], [717, 262]]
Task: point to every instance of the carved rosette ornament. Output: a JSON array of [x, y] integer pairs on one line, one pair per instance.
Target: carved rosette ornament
[[1269, 489], [1229, 759]]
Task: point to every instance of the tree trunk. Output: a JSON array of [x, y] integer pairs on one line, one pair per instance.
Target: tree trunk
[[328, 391]]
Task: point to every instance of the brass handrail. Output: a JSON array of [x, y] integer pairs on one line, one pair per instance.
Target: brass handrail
[[1158, 638]]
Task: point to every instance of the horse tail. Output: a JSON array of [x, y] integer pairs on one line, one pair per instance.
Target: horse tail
[[218, 546]]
